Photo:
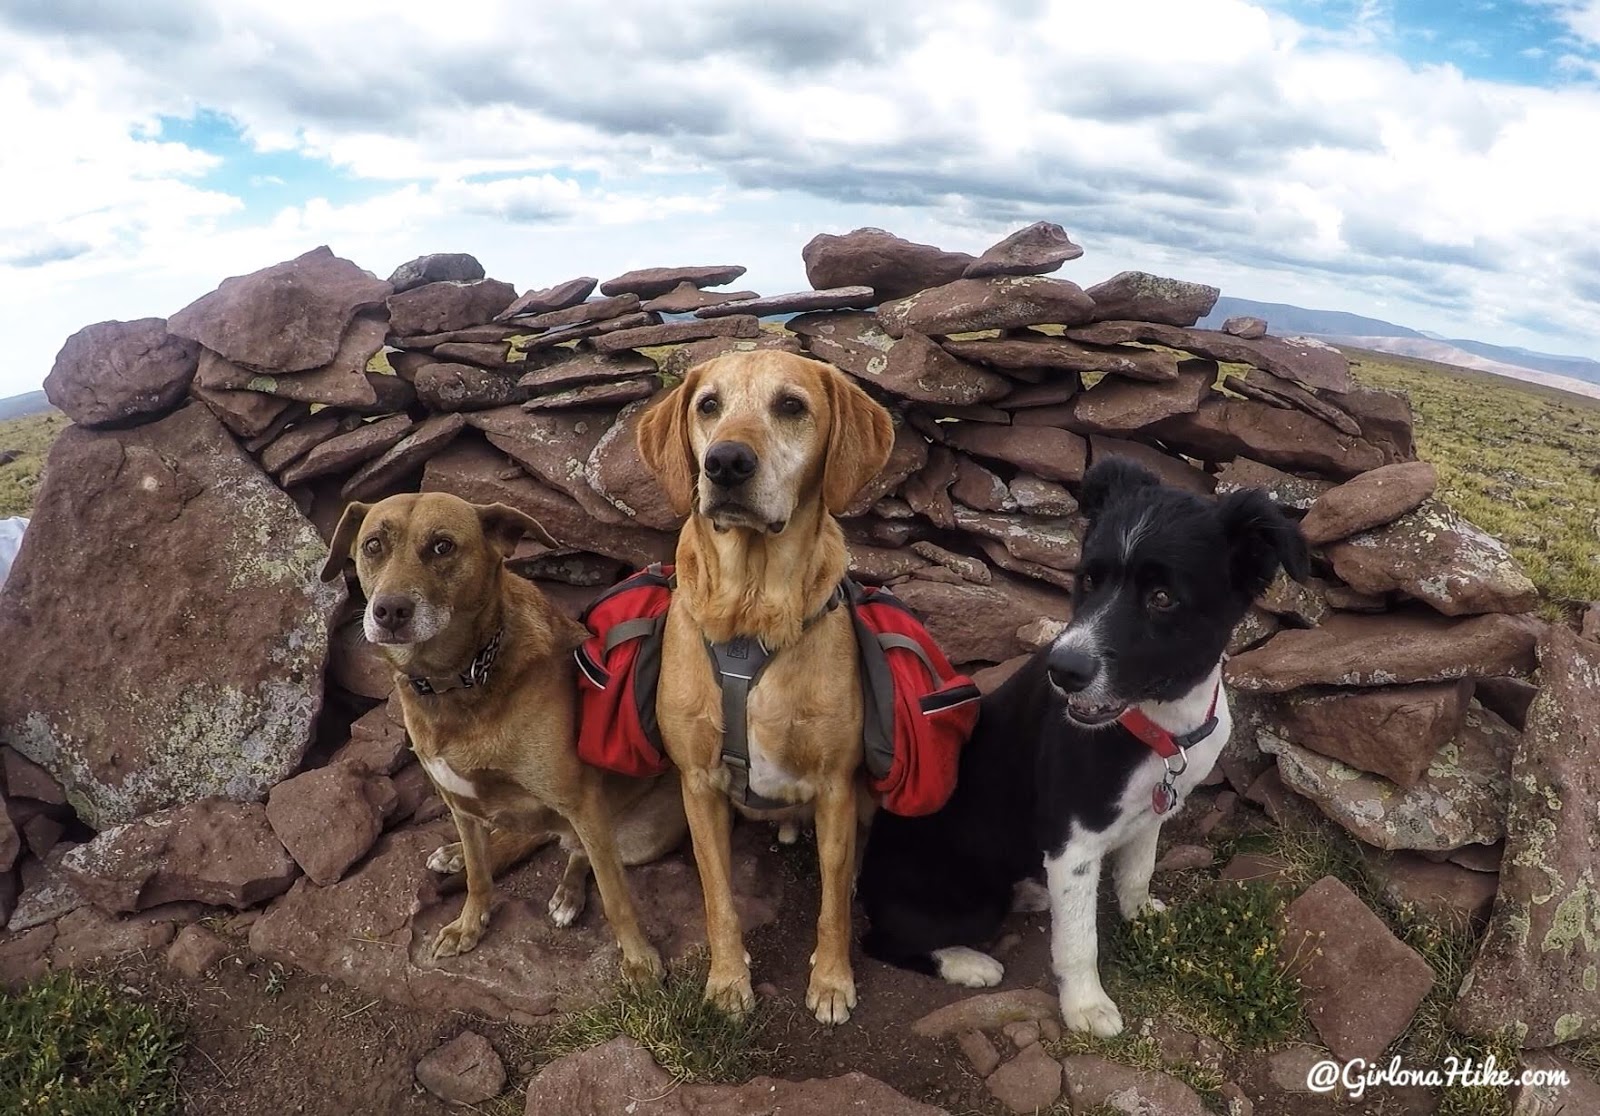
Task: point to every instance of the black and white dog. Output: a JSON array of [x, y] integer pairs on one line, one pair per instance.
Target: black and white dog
[[1089, 747]]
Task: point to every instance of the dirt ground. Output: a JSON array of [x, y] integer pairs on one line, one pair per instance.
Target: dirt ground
[[263, 1041]]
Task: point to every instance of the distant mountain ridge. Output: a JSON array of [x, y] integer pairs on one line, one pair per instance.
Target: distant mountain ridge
[[1375, 333], [29, 403]]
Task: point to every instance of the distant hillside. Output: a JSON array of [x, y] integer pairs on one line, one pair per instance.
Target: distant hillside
[[1374, 333], [32, 403], [1288, 321]]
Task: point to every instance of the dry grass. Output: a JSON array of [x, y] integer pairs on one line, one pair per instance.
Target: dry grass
[[31, 436], [1520, 460]]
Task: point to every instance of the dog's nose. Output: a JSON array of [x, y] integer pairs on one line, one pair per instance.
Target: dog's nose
[[393, 611], [1070, 669], [730, 463]]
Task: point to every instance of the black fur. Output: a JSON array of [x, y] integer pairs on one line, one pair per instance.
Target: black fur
[[1030, 772]]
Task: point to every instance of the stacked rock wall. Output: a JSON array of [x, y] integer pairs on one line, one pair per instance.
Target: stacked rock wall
[[174, 537]]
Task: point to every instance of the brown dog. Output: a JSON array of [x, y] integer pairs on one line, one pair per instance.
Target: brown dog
[[485, 673], [761, 450]]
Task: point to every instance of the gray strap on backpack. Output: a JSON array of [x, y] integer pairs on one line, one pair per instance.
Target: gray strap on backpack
[[738, 663]]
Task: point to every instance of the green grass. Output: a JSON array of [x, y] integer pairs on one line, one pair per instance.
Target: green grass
[[688, 1037], [1519, 460], [73, 1047], [32, 435]]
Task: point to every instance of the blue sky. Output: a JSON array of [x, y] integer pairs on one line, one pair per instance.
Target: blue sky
[[1430, 163]]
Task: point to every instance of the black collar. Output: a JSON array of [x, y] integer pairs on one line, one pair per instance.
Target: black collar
[[476, 674]]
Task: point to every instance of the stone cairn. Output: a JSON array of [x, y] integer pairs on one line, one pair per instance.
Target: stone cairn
[[192, 721]]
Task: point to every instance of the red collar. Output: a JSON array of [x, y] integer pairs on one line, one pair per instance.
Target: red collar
[[1159, 740]]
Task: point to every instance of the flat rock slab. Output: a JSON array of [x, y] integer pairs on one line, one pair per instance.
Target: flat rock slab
[[121, 373], [212, 851], [673, 333], [1443, 890], [1393, 731], [893, 267], [465, 387], [585, 368], [548, 299], [1003, 302], [1361, 984], [1099, 1084], [554, 446], [1037, 352], [1037, 249], [1222, 429], [480, 475], [204, 676], [1536, 968], [1247, 327], [1044, 451], [979, 622], [1171, 469], [1120, 406], [1140, 296], [1310, 362], [1385, 650], [1370, 500], [289, 317], [616, 471], [620, 1077], [341, 382], [375, 928], [652, 282], [1029, 1082], [912, 367], [330, 817], [448, 305], [686, 298], [1460, 799], [798, 302], [1286, 489], [378, 477], [346, 451], [582, 313], [1435, 555]]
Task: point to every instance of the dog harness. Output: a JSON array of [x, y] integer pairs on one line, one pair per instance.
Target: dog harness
[[916, 710], [476, 674], [738, 664], [1169, 746]]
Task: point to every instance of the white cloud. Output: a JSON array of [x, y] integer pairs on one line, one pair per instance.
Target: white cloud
[[1214, 138]]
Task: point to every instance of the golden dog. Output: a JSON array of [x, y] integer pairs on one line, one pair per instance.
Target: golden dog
[[761, 450], [485, 673]]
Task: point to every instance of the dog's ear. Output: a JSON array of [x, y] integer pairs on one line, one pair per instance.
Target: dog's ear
[[344, 537], [1110, 478], [663, 440], [860, 436], [1260, 539], [504, 527]]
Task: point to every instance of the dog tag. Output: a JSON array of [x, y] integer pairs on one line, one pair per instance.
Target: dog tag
[[1162, 797]]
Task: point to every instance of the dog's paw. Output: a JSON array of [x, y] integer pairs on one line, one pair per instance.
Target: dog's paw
[[566, 904], [968, 968], [1028, 896], [1146, 904], [731, 993], [643, 967], [788, 832], [830, 997], [1093, 1013], [460, 936], [447, 860]]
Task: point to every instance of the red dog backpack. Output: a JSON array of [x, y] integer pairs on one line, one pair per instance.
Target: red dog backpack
[[917, 711]]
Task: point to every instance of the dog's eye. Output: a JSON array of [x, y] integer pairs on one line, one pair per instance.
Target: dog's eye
[[1086, 583], [1161, 600], [708, 405], [441, 547], [790, 406], [372, 547]]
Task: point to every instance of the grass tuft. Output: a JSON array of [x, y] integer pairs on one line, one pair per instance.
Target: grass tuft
[[688, 1037], [1214, 960], [77, 1048]]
